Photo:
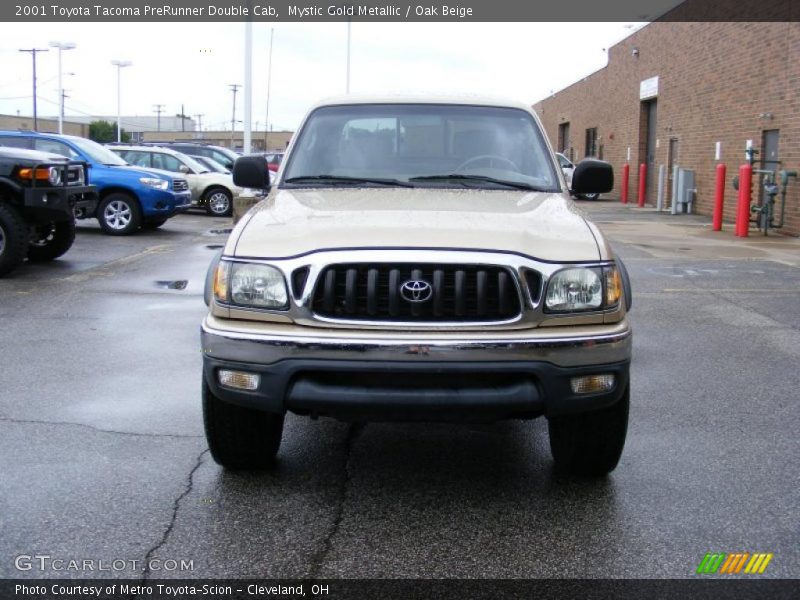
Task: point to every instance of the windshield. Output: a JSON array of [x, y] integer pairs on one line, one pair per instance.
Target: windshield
[[191, 163], [211, 164], [427, 145], [96, 152]]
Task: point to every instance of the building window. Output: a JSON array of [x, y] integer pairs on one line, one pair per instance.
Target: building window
[[591, 142], [563, 137]]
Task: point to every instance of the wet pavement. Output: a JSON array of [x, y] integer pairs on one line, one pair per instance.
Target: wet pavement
[[102, 454]]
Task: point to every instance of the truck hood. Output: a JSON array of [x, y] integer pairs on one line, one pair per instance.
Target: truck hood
[[295, 222]]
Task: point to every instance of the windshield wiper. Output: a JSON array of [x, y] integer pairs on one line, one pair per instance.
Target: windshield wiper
[[344, 179], [481, 178]]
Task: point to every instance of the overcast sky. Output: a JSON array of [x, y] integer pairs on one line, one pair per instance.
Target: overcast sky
[[194, 64]]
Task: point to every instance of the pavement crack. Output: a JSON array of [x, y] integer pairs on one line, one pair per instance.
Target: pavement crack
[[325, 546], [4, 419], [176, 505]]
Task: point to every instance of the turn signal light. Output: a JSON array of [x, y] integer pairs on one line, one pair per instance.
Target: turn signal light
[[592, 384], [238, 379]]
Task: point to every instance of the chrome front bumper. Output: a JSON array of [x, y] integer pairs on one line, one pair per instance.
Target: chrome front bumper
[[268, 343], [366, 375]]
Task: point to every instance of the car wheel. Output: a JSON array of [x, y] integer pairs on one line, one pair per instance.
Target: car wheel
[[119, 214], [153, 224], [594, 196], [13, 239], [51, 240], [238, 437], [219, 202], [590, 443]]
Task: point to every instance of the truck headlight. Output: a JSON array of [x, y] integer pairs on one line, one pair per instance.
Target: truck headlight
[[251, 285], [578, 289], [54, 176], [154, 182]]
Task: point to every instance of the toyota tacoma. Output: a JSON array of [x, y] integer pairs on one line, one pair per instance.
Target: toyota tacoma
[[418, 260]]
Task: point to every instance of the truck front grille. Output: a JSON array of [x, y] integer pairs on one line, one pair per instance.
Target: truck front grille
[[180, 185], [417, 292]]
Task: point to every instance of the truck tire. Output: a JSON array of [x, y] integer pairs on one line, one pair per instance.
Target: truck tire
[[238, 437], [219, 202], [13, 239], [119, 214], [590, 443], [54, 239]]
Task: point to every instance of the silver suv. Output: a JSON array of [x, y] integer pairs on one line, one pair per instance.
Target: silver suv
[[418, 259]]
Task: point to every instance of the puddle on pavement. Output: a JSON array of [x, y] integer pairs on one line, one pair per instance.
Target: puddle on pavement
[[177, 284]]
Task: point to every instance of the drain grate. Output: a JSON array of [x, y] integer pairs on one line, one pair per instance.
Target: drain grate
[[177, 284]]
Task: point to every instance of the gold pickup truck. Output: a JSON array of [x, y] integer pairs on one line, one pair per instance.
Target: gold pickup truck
[[418, 259]]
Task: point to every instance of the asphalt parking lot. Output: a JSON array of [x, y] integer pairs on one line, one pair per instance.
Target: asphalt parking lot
[[102, 454]]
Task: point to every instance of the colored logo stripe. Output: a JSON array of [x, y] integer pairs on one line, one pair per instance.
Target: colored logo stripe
[[730, 564]]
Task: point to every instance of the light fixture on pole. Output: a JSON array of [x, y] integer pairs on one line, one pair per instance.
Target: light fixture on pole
[[61, 46], [119, 64]]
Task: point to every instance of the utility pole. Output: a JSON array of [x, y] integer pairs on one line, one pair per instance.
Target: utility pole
[[183, 116], [33, 52], [269, 84], [120, 64], [200, 123], [234, 88], [158, 109]]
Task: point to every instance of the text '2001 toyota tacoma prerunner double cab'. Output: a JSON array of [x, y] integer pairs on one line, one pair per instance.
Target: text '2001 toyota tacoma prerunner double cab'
[[418, 260]]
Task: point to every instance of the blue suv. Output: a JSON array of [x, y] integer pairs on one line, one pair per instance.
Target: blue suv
[[129, 197]]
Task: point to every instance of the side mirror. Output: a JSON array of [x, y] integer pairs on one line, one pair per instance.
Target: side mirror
[[251, 172], [592, 176], [184, 169]]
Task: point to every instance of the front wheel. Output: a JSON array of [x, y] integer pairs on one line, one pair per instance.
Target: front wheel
[[238, 437], [13, 239], [593, 196], [219, 202], [51, 240], [154, 224], [590, 443], [119, 214]]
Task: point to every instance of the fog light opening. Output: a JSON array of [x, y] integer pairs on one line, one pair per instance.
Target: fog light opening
[[238, 379], [592, 384]]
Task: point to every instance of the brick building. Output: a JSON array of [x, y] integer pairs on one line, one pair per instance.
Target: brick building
[[673, 90]]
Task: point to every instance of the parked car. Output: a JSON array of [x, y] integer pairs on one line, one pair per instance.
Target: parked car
[[39, 193], [274, 160], [211, 190], [568, 168], [210, 164], [224, 156], [129, 197], [443, 274]]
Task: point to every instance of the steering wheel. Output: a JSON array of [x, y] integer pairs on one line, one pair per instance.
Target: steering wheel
[[490, 158]]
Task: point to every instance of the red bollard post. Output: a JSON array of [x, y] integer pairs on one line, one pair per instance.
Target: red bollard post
[[719, 198], [626, 173], [642, 184], [743, 207]]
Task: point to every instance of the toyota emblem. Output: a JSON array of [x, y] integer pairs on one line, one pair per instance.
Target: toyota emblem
[[416, 291]]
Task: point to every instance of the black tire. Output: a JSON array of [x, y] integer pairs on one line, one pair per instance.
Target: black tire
[[119, 214], [594, 196], [51, 240], [13, 239], [590, 443], [153, 224], [219, 202], [238, 437]]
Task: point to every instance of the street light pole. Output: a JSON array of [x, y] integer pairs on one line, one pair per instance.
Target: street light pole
[[347, 87], [269, 84], [61, 46], [119, 64]]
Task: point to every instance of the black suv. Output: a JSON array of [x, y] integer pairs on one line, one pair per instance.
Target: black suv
[[39, 194]]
